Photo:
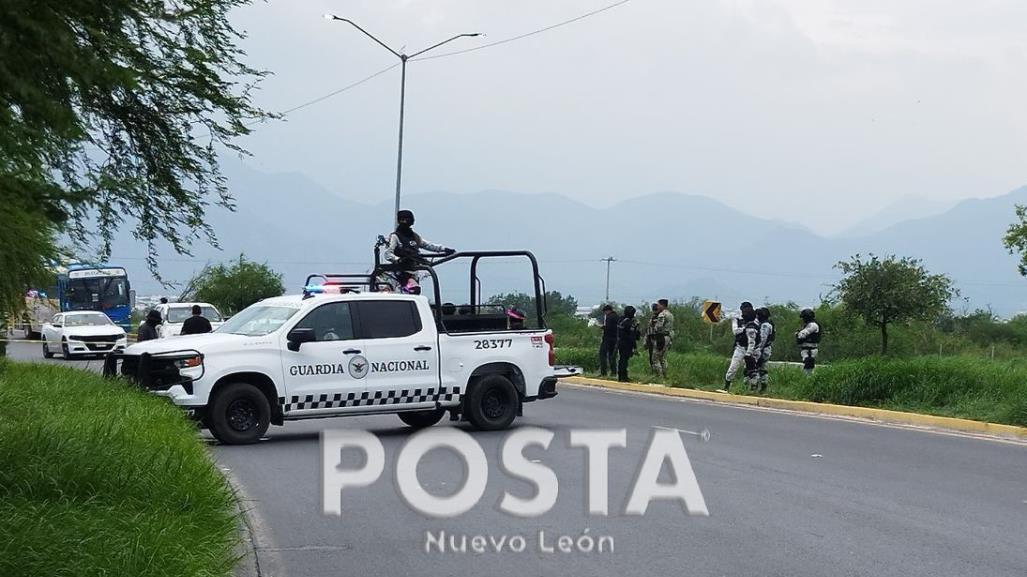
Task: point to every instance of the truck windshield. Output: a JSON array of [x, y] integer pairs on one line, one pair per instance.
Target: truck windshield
[[179, 314], [257, 320]]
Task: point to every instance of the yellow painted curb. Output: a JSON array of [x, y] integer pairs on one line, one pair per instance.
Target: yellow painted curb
[[882, 415]]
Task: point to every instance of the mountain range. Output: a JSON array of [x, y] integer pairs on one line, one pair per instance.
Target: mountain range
[[665, 244]]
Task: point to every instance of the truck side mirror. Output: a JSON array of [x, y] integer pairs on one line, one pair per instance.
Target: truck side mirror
[[298, 336]]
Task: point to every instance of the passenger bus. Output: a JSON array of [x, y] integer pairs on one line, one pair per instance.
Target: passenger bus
[[103, 288]]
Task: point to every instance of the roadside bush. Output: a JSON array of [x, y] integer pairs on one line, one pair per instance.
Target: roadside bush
[[102, 479], [993, 391]]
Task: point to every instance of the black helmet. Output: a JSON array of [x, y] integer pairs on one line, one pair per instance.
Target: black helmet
[[405, 217], [746, 305], [762, 313], [629, 311], [807, 315]]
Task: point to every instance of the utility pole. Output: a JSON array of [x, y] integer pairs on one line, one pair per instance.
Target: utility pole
[[403, 57], [608, 260]]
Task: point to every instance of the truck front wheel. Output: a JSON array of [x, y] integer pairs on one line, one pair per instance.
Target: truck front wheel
[[491, 404], [239, 415]]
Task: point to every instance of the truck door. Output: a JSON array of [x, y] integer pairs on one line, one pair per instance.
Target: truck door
[[325, 375], [402, 352]]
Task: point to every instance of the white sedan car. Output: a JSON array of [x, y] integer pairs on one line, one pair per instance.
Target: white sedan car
[[174, 314], [82, 333]]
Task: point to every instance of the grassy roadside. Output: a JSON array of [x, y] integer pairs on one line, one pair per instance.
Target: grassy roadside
[[99, 479], [969, 388]]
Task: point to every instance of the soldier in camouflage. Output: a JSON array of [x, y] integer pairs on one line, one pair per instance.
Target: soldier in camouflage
[[662, 333]]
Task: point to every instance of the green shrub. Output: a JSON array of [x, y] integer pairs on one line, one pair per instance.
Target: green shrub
[[102, 479], [994, 391]]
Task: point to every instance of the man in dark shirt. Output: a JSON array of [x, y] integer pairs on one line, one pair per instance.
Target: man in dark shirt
[[196, 324], [608, 346], [627, 342], [148, 328]]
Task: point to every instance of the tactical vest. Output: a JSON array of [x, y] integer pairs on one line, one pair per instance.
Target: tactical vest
[[409, 244], [812, 338], [742, 338]]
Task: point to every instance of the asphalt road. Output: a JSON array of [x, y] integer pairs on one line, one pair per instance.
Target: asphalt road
[[788, 495], [34, 352]]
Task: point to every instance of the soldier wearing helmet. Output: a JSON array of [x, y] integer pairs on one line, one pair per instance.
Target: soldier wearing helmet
[[767, 334], [808, 339], [747, 346], [403, 251]]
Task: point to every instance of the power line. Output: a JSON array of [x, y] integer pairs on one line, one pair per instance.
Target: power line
[[330, 94], [727, 270], [443, 55], [525, 35]]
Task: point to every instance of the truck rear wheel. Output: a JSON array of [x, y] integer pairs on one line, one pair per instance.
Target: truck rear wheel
[[491, 404], [422, 419], [239, 415]]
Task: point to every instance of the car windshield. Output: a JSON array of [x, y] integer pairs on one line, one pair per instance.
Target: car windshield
[[257, 320], [179, 314], [97, 320]]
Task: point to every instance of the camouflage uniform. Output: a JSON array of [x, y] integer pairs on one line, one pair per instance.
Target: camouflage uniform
[[662, 332]]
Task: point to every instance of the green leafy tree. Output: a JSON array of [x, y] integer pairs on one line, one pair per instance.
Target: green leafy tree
[[1016, 238], [26, 245], [116, 111], [892, 290], [558, 303], [234, 286]]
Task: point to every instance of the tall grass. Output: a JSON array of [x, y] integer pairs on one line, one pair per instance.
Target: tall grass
[[971, 388], [100, 479]]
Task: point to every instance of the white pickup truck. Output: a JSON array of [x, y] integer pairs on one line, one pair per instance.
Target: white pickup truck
[[355, 353]]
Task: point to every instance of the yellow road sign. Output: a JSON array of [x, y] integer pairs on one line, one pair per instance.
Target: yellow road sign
[[711, 312]]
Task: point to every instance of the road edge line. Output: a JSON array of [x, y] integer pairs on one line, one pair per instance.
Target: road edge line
[[258, 558], [880, 415]]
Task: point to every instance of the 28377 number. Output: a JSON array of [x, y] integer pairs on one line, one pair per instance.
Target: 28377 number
[[493, 344]]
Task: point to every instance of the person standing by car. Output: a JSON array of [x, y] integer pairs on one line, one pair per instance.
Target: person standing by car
[[608, 344], [148, 329], [627, 342], [196, 324]]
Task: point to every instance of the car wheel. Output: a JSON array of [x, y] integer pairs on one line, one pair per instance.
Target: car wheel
[[46, 351], [422, 419], [491, 404], [239, 415], [65, 351]]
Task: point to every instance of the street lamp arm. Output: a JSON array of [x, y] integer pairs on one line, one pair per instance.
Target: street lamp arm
[[433, 47], [366, 33]]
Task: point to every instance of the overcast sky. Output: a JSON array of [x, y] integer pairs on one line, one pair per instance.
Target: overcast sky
[[814, 111]]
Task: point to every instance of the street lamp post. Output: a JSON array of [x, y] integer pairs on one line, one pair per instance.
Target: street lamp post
[[402, 88], [608, 260]]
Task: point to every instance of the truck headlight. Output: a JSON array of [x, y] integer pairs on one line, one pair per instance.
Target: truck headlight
[[189, 363]]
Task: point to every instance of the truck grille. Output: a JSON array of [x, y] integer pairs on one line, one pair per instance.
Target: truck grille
[[154, 373]]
